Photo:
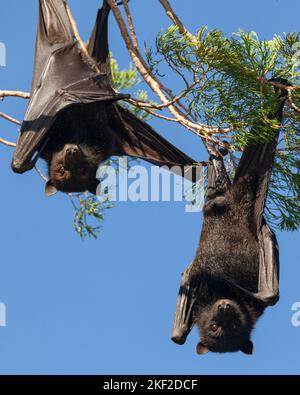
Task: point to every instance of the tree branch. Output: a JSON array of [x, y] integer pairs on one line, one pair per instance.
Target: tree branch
[[133, 39], [22, 95], [155, 85], [174, 18], [136, 47], [81, 44], [183, 31], [130, 24], [291, 102]]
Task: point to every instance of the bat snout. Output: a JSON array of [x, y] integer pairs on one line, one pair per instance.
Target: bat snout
[[72, 154], [71, 150], [224, 305], [225, 308]]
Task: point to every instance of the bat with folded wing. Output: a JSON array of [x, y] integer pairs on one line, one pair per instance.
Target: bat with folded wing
[[73, 120], [235, 273]]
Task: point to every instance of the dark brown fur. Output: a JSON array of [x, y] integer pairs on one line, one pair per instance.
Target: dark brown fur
[[74, 132], [228, 250]]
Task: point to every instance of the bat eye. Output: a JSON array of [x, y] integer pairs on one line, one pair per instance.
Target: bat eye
[[214, 327]]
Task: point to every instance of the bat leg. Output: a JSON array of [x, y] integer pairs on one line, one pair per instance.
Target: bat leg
[[217, 183]]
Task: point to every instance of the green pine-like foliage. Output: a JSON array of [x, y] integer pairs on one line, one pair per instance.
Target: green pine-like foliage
[[226, 74]]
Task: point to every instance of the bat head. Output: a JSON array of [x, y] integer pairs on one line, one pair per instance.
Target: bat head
[[224, 328], [72, 169]]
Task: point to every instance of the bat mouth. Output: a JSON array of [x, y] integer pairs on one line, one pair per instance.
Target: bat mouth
[[226, 310]]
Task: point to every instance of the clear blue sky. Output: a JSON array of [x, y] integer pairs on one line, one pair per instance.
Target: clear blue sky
[[107, 306]]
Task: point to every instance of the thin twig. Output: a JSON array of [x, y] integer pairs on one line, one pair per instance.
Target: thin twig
[[288, 89], [8, 143], [175, 100], [291, 102], [22, 95], [130, 24], [277, 84], [10, 119], [155, 114], [145, 106], [43, 177], [78, 39]]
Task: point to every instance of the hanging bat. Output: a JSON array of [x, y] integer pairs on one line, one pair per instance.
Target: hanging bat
[[73, 120], [235, 273]]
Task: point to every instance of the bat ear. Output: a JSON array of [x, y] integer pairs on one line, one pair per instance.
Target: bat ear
[[201, 349], [248, 347], [94, 186], [50, 189]]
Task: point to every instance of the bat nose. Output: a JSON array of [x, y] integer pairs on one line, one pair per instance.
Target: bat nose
[[224, 306], [71, 150]]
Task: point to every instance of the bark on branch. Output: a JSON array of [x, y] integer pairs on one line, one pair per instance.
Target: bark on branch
[[22, 95]]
